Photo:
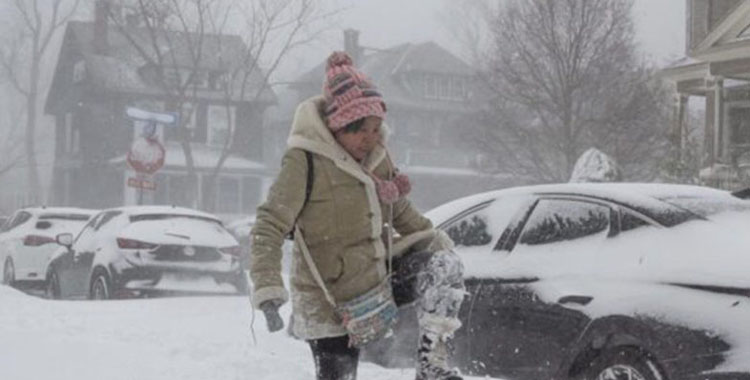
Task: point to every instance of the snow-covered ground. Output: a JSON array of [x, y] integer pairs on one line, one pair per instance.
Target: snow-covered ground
[[190, 338]]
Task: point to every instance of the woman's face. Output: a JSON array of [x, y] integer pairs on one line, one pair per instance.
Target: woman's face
[[360, 143]]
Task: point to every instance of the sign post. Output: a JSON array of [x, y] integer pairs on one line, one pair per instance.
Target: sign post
[[147, 154]]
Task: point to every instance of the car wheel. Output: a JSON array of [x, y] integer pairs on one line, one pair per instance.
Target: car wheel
[[9, 273], [52, 290], [624, 363], [100, 287]]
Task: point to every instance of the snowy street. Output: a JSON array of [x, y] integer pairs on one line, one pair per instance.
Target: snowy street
[[190, 338]]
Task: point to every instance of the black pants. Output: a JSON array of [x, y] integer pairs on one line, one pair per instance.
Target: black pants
[[334, 359]]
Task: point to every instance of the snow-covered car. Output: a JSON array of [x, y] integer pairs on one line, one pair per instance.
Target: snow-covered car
[[146, 250], [241, 228], [598, 281], [27, 241]]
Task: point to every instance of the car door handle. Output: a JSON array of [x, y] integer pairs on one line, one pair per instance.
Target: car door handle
[[575, 299]]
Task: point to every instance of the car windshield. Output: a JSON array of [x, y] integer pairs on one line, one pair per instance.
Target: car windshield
[[706, 207], [149, 217]]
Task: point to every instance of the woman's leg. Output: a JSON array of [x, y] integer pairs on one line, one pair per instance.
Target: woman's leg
[[435, 281], [334, 359]]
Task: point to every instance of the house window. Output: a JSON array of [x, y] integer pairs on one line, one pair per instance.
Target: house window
[[458, 88], [189, 115], [72, 135], [188, 119], [199, 79], [172, 78], [444, 87], [430, 86], [739, 124], [79, 71], [220, 121]]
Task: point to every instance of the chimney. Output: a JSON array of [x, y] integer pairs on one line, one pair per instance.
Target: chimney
[[351, 44], [101, 26]]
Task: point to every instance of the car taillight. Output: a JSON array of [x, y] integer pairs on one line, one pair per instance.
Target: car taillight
[[134, 244], [234, 250], [36, 240]]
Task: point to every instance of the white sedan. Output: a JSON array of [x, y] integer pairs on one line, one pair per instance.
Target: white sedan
[[27, 241]]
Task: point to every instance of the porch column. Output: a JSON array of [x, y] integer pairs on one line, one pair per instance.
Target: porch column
[[714, 119], [718, 90], [680, 130]]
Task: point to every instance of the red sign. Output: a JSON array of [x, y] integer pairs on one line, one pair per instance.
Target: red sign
[[140, 183], [146, 156]]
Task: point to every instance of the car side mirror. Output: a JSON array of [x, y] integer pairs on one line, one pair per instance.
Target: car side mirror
[[65, 240]]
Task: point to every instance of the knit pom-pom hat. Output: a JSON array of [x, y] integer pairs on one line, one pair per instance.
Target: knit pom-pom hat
[[349, 94]]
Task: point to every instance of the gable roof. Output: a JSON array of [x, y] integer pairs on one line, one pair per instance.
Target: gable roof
[[131, 49], [389, 68], [726, 33]]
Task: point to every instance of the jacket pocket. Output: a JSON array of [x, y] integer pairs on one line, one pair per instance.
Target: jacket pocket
[[332, 270]]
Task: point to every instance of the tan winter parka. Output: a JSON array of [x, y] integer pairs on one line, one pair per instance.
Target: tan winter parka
[[342, 225]]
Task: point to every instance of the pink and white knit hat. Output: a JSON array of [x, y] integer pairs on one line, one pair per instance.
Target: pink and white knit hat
[[349, 94]]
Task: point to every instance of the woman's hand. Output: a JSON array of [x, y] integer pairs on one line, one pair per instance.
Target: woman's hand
[[270, 309]]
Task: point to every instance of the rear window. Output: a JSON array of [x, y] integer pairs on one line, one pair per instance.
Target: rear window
[[77, 217], [706, 207], [147, 217]]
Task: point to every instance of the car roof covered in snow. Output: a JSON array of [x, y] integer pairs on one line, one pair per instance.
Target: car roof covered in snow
[[163, 210], [647, 196], [60, 210]]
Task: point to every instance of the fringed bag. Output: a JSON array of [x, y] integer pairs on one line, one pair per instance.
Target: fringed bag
[[366, 318], [369, 317]]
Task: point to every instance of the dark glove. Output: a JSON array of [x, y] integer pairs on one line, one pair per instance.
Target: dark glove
[[271, 311]]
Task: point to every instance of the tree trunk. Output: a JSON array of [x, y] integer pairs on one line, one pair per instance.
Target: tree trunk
[[32, 171]]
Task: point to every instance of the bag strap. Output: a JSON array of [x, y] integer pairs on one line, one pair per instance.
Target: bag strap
[[310, 178], [297, 234], [312, 266], [308, 190]]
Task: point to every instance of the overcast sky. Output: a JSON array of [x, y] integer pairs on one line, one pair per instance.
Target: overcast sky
[[385, 23]]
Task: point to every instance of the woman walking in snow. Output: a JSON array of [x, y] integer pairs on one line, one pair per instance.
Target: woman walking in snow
[[339, 188]]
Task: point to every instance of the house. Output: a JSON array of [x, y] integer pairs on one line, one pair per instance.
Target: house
[[717, 69], [104, 68], [429, 94]]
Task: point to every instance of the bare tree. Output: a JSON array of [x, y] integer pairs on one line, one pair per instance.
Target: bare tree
[[11, 135], [269, 30], [565, 76], [21, 59]]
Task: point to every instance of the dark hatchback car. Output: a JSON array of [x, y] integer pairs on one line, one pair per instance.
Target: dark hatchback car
[[146, 250], [597, 281]]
